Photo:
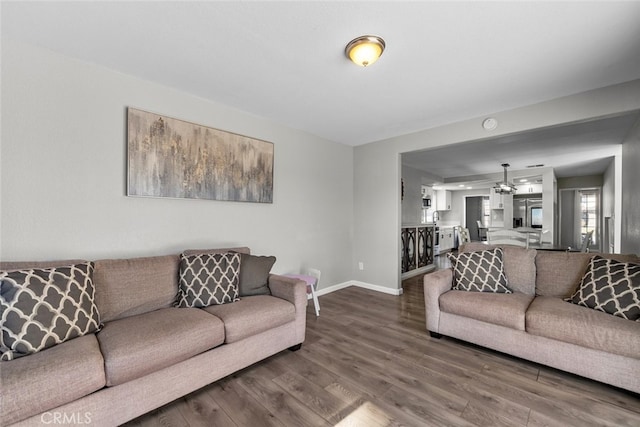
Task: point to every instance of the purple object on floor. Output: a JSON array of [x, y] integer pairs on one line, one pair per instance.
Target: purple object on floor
[[309, 280]]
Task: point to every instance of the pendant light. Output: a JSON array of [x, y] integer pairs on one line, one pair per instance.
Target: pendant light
[[505, 187]]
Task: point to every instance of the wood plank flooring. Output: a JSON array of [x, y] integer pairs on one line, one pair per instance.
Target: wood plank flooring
[[368, 361]]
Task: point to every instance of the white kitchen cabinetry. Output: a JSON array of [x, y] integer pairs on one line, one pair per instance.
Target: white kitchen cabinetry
[[529, 188], [501, 210], [446, 239], [443, 200], [500, 201]]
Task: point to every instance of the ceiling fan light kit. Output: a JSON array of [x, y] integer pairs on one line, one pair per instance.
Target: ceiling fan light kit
[[365, 50], [505, 187]]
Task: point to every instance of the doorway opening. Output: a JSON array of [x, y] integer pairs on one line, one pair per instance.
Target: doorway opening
[[477, 213], [580, 216]]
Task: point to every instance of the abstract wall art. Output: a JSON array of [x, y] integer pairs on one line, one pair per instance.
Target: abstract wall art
[[173, 158]]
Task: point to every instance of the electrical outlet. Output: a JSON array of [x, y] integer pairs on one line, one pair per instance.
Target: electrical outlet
[[361, 265]]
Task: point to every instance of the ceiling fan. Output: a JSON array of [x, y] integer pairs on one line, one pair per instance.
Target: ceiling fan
[[505, 187]]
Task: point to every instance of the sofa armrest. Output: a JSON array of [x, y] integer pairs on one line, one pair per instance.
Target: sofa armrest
[[294, 291], [435, 284], [290, 289]]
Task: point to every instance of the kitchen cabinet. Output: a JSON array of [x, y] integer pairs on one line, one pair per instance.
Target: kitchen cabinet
[[501, 210], [443, 200], [426, 192], [499, 201], [529, 188], [446, 239]]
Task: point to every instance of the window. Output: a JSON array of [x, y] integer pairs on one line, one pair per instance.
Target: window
[[486, 211], [588, 214]]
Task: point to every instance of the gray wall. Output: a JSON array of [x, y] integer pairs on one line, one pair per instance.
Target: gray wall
[[610, 195], [377, 169], [590, 181], [63, 175], [608, 190], [630, 240], [412, 202]]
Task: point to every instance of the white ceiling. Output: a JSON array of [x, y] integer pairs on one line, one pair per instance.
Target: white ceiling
[[445, 61], [577, 149]]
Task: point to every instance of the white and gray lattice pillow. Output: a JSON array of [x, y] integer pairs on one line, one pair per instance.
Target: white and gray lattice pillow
[[610, 286], [45, 307], [481, 271], [208, 279]]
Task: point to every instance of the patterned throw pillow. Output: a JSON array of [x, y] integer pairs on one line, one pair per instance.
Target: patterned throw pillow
[[610, 286], [45, 307], [208, 279], [481, 271]]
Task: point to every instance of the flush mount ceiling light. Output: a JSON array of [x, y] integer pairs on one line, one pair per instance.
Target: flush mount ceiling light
[[505, 187], [365, 50]]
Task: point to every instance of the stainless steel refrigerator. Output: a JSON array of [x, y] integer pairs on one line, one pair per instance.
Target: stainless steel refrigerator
[[527, 212]]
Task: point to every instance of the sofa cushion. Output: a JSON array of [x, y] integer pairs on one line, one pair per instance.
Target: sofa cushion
[[558, 273], [254, 275], [520, 269], [481, 271], [45, 307], [554, 318], [126, 287], [519, 265], [252, 315], [50, 378], [610, 286], [500, 309], [207, 279], [138, 345]]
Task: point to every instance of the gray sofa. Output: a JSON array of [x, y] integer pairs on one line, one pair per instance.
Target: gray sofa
[[534, 322], [148, 353]]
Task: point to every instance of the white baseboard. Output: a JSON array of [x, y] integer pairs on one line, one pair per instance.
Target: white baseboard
[[377, 288], [420, 271], [329, 289]]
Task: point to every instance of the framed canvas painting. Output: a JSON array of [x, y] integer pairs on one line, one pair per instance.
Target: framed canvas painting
[[173, 158]]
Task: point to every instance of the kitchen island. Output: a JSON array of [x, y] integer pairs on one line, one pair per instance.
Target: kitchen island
[[416, 254]]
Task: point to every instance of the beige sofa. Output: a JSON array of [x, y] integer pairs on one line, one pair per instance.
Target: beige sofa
[[534, 322], [148, 353]]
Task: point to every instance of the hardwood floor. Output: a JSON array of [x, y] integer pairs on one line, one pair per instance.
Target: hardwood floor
[[368, 361]]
